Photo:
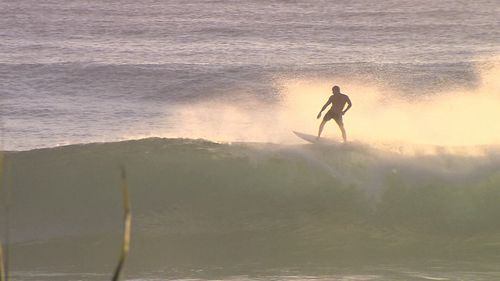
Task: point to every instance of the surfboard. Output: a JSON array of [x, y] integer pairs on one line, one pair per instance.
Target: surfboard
[[313, 139]]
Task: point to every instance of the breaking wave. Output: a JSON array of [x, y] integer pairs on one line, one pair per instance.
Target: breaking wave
[[199, 202]]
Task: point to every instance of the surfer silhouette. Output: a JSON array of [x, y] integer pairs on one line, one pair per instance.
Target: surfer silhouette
[[338, 102]]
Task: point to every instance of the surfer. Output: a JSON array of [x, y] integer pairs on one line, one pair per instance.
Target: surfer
[[338, 101]]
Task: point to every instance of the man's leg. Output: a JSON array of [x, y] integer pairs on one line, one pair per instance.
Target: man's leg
[[321, 128], [340, 122], [343, 133]]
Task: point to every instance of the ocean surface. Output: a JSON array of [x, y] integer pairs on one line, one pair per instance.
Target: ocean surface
[[198, 101]]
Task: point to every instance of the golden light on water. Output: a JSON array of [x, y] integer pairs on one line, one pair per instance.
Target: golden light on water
[[461, 117], [459, 121]]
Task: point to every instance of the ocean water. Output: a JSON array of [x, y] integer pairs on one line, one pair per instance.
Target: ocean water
[[198, 100]]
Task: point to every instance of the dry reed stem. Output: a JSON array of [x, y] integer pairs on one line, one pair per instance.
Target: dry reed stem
[[127, 223]]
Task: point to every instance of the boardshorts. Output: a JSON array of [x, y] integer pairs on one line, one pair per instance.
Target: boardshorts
[[337, 116]]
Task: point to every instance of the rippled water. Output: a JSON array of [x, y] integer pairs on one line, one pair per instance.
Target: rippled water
[[86, 71], [244, 73]]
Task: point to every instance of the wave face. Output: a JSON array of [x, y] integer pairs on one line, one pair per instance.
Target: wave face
[[198, 203]]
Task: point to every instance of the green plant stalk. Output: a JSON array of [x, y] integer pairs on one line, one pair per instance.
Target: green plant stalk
[[2, 268], [3, 273]]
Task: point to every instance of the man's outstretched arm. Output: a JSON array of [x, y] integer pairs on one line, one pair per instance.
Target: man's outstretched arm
[[349, 104], [324, 107]]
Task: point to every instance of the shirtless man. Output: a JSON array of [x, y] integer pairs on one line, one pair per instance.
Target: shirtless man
[[338, 101]]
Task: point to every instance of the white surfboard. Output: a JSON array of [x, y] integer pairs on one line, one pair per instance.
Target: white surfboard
[[314, 139]]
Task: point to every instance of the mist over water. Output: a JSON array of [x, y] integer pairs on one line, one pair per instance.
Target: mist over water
[[459, 117], [198, 100]]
